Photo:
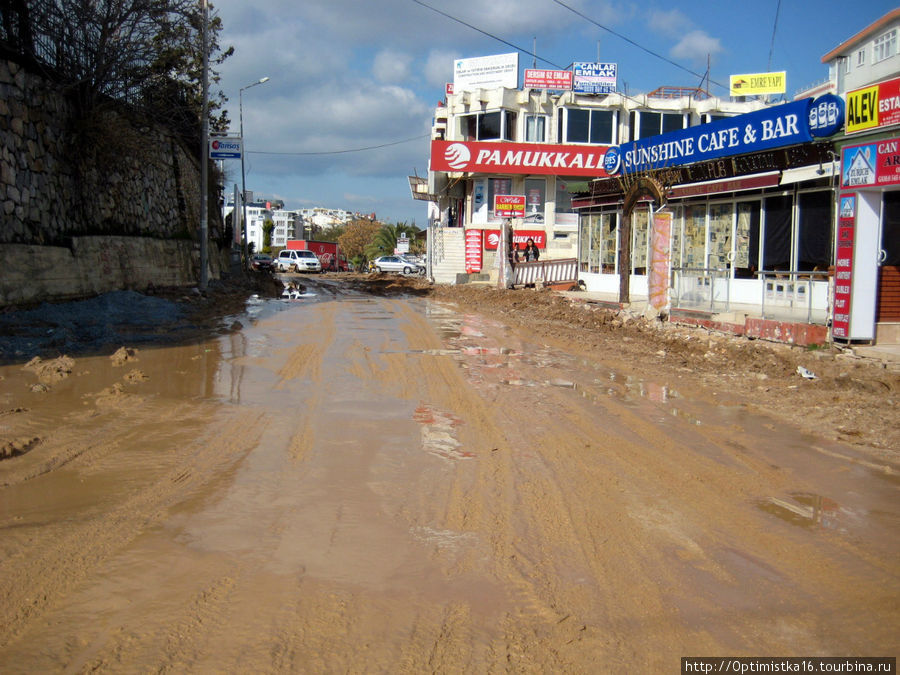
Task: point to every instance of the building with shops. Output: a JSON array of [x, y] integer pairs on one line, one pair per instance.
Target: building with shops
[[697, 205]]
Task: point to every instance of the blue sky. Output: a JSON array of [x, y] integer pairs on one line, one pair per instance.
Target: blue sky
[[346, 75]]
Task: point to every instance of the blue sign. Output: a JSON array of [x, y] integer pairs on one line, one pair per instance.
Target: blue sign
[[765, 129], [594, 78], [826, 115]]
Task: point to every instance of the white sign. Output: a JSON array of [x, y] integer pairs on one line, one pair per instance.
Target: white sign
[[225, 148], [486, 72], [594, 78]]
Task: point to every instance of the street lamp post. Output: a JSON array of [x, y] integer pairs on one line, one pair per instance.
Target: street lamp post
[[204, 157], [243, 175]]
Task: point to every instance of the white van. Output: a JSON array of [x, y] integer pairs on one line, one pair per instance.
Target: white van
[[298, 261]]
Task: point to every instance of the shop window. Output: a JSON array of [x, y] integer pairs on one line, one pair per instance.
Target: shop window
[[884, 46], [814, 229], [577, 125], [597, 243], [535, 128], [640, 228], [487, 126], [694, 242], [535, 197], [497, 186], [746, 240], [777, 234], [721, 222]]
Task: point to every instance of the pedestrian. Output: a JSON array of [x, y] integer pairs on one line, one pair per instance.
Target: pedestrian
[[531, 251]]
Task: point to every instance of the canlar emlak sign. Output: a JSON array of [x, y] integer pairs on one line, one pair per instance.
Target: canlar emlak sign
[[518, 158]]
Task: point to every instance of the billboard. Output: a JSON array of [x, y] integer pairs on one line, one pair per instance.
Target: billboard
[[873, 107], [518, 158], [225, 148], [871, 164], [486, 72], [755, 84], [558, 80], [594, 78]]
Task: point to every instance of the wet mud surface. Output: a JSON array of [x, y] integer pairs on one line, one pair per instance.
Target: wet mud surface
[[376, 478]]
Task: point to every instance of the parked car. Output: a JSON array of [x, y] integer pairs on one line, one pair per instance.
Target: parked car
[[397, 263], [262, 263], [298, 261]]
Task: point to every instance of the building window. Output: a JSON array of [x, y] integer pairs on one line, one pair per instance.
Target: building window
[[577, 125], [535, 128], [488, 126], [497, 186], [535, 196], [884, 46], [597, 243], [712, 117], [645, 124], [860, 58]]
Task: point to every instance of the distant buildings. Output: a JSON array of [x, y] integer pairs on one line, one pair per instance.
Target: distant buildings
[[289, 224]]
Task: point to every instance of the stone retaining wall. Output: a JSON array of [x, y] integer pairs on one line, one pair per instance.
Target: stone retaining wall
[[92, 203]]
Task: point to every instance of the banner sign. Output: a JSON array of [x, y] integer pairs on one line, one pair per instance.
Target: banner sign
[[873, 107], [225, 148], [474, 259], [594, 78], [486, 72], [758, 83], [518, 158], [871, 164], [774, 127], [843, 268], [559, 80], [660, 252], [509, 206], [519, 238]]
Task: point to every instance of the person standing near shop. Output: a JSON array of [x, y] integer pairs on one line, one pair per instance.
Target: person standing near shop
[[531, 251]]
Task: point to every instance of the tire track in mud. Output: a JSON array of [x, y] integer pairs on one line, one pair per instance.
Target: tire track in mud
[[29, 590]]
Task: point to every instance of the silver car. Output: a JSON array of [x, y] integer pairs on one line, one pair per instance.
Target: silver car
[[397, 263]]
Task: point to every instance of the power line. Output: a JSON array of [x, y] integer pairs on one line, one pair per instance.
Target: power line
[[339, 152], [633, 43], [490, 35]]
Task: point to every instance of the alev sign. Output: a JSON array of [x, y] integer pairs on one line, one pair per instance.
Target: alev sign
[[518, 158]]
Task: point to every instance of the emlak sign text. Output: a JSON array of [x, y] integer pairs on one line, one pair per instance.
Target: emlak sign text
[[518, 158]]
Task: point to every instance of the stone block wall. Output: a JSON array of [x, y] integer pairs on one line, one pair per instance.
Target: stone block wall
[[93, 202]]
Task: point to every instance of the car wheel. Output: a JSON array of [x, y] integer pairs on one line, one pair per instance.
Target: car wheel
[[295, 269], [406, 270], [378, 269]]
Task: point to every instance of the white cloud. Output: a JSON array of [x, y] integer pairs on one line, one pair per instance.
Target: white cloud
[[696, 46], [671, 22], [391, 66]]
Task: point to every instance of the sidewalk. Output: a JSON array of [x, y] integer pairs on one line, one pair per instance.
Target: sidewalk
[[745, 321]]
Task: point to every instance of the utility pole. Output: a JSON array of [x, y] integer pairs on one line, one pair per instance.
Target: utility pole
[[204, 157]]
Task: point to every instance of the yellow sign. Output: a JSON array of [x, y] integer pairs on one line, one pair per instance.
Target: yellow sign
[[862, 109], [759, 83]]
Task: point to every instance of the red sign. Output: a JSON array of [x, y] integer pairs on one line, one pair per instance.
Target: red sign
[[875, 163], [519, 237], [473, 250], [509, 206], [843, 267], [518, 158], [548, 79]]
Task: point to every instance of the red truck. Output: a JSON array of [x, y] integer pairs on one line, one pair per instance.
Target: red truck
[[326, 251]]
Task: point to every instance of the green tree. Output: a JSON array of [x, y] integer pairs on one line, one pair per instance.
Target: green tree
[[385, 241], [267, 229]]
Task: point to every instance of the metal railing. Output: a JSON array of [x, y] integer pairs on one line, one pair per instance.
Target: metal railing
[[788, 291], [701, 288], [546, 271]]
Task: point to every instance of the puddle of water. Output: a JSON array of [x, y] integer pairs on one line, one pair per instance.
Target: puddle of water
[[807, 510]]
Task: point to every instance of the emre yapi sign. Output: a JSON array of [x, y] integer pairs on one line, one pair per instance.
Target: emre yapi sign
[[873, 107]]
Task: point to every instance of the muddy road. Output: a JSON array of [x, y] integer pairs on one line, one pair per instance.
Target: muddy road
[[362, 483]]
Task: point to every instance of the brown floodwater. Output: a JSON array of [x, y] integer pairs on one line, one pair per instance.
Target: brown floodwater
[[381, 484]]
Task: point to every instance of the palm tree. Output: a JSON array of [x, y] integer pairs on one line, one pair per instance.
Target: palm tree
[[385, 241]]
